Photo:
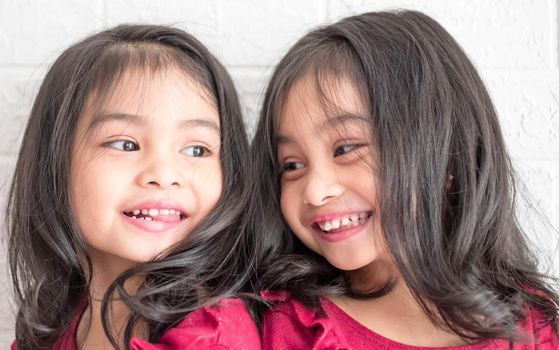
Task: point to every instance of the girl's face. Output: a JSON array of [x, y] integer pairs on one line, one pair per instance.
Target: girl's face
[[328, 184], [146, 169]]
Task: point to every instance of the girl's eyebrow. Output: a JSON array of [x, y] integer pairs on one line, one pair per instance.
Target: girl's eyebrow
[[139, 121], [282, 140], [106, 117], [330, 123], [200, 122], [335, 121]]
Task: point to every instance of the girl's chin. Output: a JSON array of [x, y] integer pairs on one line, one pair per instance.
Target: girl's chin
[[351, 265], [350, 257]]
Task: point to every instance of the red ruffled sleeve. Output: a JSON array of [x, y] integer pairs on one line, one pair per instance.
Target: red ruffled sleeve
[[226, 326], [292, 325], [538, 328]]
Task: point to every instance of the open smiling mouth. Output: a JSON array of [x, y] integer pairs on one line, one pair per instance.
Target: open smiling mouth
[[166, 215], [342, 223]]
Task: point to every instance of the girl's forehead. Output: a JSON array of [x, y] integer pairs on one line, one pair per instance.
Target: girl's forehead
[[136, 82], [150, 97], [140, 86], [320, 102]]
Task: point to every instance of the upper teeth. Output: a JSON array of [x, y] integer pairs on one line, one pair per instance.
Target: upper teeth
[[344, 221], [152, 212]]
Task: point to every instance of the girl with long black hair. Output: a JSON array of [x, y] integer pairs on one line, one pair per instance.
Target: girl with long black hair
[[125, 204], [387, 198]]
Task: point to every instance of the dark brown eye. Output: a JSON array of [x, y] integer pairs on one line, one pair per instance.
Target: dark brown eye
[[341, 150], [123, 145], [291, 166], [196, 151], [129, 146]]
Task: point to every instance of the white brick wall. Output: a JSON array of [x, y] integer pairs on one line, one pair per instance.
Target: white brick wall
[[513, 43]]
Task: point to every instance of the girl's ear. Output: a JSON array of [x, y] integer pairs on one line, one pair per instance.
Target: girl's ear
[[449, 181]]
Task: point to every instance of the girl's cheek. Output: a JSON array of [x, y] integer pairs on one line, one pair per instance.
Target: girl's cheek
[[289, 204], [207, 180]]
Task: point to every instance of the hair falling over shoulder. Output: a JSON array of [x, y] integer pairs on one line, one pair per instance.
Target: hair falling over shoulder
[[457, 243], [49, 264]]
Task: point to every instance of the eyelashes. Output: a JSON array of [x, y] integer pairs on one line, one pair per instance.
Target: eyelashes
[[123, 145], [341, 152], [291, 166], [195, 151]]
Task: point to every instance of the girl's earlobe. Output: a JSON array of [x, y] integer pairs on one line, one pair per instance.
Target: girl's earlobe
[[449, 181]]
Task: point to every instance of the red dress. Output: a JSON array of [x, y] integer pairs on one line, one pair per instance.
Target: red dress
[[227, 326], [292, 325]]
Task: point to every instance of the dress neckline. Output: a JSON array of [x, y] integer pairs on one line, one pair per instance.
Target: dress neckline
[[347, 323]]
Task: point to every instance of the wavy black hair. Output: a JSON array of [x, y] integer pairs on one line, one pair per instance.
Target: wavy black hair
[[457, 244], [49, 264]]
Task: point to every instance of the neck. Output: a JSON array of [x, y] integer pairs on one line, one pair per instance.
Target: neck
[[396, 315], [90, 333], [375, 275]]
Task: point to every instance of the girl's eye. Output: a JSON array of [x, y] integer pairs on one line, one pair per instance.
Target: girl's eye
[[123, 145], [341, 150], [196, 151], [291, 166]]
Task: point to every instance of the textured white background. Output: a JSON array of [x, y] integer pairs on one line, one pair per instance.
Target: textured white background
[[513, 43]]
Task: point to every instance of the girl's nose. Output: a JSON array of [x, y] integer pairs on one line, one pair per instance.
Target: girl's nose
[[161, 172], [323, 184]]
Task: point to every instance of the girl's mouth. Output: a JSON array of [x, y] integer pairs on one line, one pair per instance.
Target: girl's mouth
[[151, 214], [155, 220], [342, 222]]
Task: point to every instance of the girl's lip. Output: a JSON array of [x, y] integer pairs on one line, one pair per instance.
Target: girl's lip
[[155, 226], [161, 223], [342, 233]]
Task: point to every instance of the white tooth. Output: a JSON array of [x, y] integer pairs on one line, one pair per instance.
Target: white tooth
[[172, 211], [153, 212], [145, 211], [327, 226], [355, 223], [335, 224], [164, 212], [363, 216], [345, 221], [148, 218], [354, 217], [321, 226], [134, 217], [177, 213], [136, 211], [142, 218]]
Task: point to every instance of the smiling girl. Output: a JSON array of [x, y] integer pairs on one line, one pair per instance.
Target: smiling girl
[[126, 197], [380, 146]]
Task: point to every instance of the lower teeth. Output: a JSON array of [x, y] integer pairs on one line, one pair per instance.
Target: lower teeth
[[142, 218]]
